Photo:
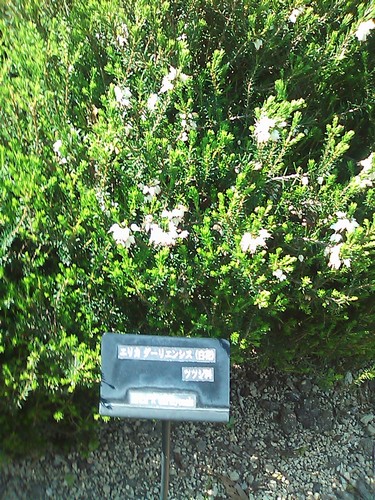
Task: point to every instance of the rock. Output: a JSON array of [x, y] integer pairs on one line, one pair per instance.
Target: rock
[[106, 490], [367, 445], [234, 476], [333, 462], [364, 490], [36, 490], [348, 378], [201, 445], [11, 491], [269, 468], [293, 396], [317, 487], [307, 413], [59, 460], [253, 390], [305, 387], [325, 420], [288, 419], [271, 406], [345, 495], [366, 419], [370, 430]]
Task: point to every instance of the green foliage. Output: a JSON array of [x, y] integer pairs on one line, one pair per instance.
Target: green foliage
[[196, 168]]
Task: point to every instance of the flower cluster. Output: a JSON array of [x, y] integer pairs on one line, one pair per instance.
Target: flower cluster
[[122, 96], [279, 275], [295, 15], [158, 235], [334, 257], [122, 235], [264, 130], [364, 29], [151, 191], [250, 243], [343, 224], [152, 102], [122, 36], [366, 177], [187, 123], [169, 79], [56, 148]]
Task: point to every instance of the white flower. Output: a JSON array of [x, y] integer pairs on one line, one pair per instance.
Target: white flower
[[335, 238], [123, 96], [176, 215], [122, 37], [262, 129], [57, 145], [305, 180], [334, 256], [366, 177], [364, 30], [135, 228], [152, 191], [320, 180], [346, 262], [367, 163], [160, 237], [263, 235], [184, 78], [344, 224], [166, 83], [301, 258], [148, 222], [249, 243], [187, 121], [122, 235], [279, 275], [258, 44], [294, 15], [152, 102], [173, 74], [274, 135]]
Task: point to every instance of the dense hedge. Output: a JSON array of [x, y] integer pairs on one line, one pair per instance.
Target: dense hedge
[[193, 167]]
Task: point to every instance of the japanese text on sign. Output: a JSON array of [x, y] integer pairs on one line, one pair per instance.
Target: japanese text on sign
[[162, 399], [153, 353], [198, 374]]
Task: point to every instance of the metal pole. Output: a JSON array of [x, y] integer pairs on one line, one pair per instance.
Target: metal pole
[[165, 457]]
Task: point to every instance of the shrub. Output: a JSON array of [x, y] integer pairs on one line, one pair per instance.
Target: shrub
[[189, 168]]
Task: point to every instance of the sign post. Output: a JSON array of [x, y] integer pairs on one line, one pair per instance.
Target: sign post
[[166, 378], [165, 458]]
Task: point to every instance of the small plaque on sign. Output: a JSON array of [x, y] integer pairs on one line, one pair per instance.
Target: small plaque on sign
[[198, 374], [160, 399], [168, 378]]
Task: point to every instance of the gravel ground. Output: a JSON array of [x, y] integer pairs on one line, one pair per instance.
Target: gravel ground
[[286, 439]]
